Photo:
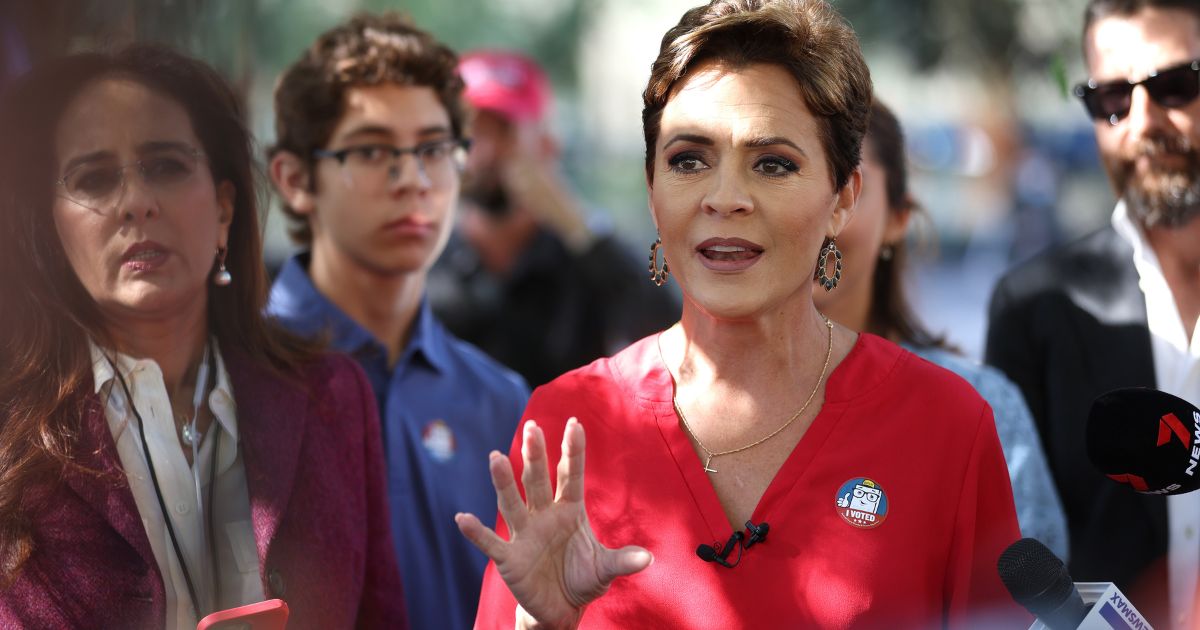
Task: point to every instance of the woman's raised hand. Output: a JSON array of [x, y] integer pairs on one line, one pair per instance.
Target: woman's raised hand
[[552, 562]]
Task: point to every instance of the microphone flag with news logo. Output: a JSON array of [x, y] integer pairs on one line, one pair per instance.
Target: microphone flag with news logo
[[1147, 439]]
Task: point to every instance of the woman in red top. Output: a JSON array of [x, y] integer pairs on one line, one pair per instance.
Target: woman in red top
[[775, 469]]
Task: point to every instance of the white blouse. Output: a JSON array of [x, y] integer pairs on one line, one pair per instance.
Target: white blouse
[[237, 575]]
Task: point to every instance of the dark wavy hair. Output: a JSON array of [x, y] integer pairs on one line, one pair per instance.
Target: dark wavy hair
[[807, 37], [45, 364], [891, 315], [369, 49]]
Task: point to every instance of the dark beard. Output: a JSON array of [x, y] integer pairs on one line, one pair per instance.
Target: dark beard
[[1165, 197], [488, 194]]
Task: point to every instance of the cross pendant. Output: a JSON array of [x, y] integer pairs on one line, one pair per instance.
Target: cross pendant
[[706, 468]]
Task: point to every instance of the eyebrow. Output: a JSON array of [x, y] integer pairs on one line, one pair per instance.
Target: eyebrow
[[766, 141], [145, 147], [771, 141], [94, 156], [689, 137], [380, 130]]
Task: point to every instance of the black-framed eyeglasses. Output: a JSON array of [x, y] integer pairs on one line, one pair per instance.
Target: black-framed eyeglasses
[[378, 164], [98, 185], [1171, 87]]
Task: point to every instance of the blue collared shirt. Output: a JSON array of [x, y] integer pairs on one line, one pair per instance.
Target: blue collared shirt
[[444, 406]]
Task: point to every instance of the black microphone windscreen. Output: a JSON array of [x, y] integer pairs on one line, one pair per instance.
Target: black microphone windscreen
[[706, 553], [1147, 439], [1038, 580]]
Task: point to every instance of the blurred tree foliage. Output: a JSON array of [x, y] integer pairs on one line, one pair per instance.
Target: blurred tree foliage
[[996, 38], [243, 37], [549, 31], [933, 32], [220, 31]]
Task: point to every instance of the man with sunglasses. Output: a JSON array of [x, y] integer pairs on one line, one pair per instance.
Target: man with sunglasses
[[370, 147], [1119, 308]]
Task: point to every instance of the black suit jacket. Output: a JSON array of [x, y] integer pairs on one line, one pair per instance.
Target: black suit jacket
[[1066, 327]]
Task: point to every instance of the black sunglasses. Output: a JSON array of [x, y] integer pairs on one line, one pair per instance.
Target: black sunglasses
[[1172, 87]]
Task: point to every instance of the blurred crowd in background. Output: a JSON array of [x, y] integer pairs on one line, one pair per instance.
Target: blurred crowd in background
[[1003, 159]]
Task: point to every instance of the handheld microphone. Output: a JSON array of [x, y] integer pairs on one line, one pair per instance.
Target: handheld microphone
[[1146, 438], [1039, 581]]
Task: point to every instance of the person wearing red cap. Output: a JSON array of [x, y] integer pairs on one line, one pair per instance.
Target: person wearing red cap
[[526, 279]]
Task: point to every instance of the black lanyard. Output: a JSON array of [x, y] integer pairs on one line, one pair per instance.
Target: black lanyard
[[162, 504]]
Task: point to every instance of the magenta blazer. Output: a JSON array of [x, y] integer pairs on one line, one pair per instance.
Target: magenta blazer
[[315, 472]]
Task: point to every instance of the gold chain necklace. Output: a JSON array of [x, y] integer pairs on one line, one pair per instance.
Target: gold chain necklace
[[709, 455]]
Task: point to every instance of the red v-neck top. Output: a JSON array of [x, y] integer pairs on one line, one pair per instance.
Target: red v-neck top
[[906, 448]]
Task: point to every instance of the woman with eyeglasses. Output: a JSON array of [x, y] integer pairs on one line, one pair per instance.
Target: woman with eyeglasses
[[756, 465], [874, 300], [165, 452]]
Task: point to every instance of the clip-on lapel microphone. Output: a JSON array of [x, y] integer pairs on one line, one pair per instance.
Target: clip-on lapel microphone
[[720, 553]]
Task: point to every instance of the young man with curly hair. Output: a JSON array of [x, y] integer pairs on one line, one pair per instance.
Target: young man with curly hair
[[369, 148]]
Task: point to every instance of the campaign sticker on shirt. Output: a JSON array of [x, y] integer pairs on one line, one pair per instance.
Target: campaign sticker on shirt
[[862, 503], [438, 439]]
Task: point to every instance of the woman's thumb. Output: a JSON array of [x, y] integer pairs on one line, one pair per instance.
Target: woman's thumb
[[624, 561]]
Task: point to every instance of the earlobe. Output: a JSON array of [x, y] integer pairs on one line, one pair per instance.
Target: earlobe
[[290, 175]]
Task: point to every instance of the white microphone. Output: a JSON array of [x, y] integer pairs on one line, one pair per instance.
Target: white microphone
[[1110, 609]]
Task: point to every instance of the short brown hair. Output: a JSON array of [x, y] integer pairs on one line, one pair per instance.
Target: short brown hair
[[369, 49], [807, 37], [1099, 9]]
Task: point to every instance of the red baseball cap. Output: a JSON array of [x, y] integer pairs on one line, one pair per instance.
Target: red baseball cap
[[507, 83]]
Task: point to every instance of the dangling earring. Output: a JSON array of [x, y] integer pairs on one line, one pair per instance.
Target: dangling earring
[[822, 275], [222, 277], [658, 276]]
